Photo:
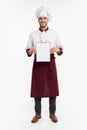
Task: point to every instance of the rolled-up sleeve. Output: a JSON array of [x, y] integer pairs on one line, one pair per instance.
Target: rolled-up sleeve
[[59, 45], [29, 45]]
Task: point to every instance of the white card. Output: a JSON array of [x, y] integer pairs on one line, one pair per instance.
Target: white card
[[43, 52]]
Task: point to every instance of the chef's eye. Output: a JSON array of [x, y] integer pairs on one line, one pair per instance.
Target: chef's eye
[[45, 18]]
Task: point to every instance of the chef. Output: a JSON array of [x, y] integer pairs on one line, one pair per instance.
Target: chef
[[44, 81]]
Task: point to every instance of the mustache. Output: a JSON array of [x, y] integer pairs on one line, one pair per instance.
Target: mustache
[[43, 22]]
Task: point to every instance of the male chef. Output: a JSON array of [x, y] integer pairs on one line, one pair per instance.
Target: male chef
[[44, 81]]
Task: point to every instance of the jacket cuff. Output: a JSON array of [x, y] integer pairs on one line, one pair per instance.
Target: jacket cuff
[[27, 51], [61, 52]]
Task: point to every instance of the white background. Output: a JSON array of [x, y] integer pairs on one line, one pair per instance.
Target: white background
[[17, 20]]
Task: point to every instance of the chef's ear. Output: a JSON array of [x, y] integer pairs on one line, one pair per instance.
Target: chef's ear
[[48, 20], [38, 19]]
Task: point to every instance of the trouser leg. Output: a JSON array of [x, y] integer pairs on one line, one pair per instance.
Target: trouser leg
[[37, 105], [52, 105]]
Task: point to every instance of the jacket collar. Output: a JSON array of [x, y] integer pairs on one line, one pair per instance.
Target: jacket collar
[[44, 30]]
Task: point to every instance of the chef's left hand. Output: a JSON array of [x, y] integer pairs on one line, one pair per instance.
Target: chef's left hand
[[54, 49]]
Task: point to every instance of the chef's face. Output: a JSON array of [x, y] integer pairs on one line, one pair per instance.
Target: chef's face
[[43, 21]]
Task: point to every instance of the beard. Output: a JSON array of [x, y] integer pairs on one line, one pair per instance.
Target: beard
[[43, 25]]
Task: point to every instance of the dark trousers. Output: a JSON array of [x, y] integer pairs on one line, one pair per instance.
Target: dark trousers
[[52, 105]]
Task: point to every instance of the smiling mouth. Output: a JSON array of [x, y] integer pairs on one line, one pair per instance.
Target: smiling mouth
[[42, 23]]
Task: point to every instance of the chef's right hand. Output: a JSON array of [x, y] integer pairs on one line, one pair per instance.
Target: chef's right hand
[[32, 50]]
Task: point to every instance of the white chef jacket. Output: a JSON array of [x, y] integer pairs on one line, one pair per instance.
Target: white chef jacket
[[50, 36]]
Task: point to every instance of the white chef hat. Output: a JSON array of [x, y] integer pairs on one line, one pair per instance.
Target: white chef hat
[[43, 11]]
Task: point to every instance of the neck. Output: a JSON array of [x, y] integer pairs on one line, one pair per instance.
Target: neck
[[43, 28]]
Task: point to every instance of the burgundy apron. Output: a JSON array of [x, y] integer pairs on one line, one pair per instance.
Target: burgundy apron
[[44, 79]]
